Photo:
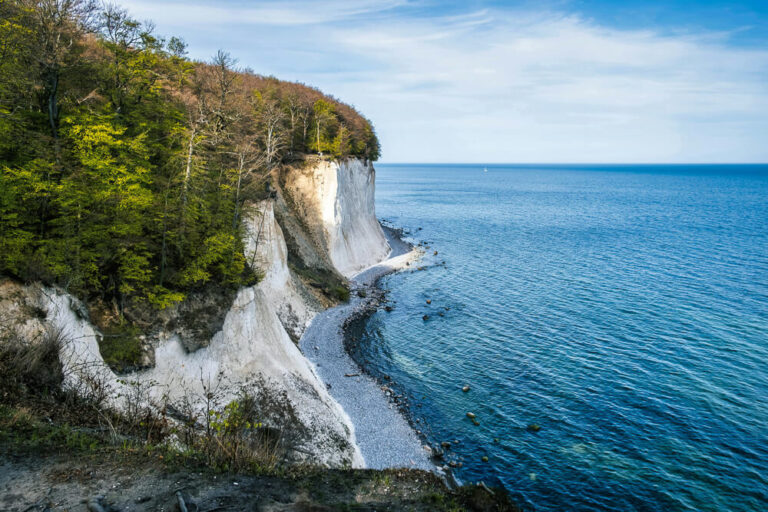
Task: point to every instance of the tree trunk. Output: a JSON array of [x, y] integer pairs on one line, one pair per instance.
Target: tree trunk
[[53, 107], [188, 171], [241, 165]]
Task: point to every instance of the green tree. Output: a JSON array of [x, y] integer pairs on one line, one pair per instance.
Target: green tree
[[342, 143], [323, 113]]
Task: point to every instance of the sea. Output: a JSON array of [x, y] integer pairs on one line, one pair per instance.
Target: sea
[[611, 322]]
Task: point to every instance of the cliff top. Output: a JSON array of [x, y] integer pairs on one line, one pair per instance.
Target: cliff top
[[126, 166]]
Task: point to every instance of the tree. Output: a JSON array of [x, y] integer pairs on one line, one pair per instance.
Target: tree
[[323, 116], [270, 116], [58, 29], [342, 143], [125, 167]]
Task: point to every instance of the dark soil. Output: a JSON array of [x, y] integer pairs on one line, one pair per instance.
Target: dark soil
[[125, 482]]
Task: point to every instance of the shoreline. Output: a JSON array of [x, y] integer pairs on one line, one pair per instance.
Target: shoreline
[[384, 436]]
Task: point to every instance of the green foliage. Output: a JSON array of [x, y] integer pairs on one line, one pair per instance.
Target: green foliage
[[120, 347], [341, 293], [19, 426], [124, 166]]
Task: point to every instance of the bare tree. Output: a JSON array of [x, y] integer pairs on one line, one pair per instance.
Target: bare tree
[[271, 117], [58, 26], [223, 77]]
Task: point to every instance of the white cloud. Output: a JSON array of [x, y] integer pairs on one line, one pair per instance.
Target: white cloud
[[280, 13], [548, 87], [503, 86]]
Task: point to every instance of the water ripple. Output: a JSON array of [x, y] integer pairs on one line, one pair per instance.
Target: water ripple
[[625, 310]]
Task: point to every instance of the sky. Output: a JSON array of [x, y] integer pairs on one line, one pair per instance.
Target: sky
[[554, 81]]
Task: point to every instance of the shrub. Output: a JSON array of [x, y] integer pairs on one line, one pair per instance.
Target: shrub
[[340, 293], [28, 368], [121, 347]]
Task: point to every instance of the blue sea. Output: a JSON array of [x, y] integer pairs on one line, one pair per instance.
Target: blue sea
[[622, 309]]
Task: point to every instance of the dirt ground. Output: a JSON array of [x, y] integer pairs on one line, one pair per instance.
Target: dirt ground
[[87, 483]]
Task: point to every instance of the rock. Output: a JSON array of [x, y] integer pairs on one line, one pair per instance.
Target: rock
[[484, 459], [425, 317], [388, 308], [445, 444], [465, 389], [429, 301], [471, 415], [534, 427], [476, 423], [434, 253]]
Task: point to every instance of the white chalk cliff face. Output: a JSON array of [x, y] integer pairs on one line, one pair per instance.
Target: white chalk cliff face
[[253, 347], [265, 249], [337, 202]]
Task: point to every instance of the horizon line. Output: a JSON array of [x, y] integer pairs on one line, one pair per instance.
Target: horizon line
[[570, 163]]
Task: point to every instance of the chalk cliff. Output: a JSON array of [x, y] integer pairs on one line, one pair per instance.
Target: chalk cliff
[[334, 203], [328, 214]]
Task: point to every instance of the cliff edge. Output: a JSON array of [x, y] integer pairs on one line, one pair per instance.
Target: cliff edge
[[328, 214]]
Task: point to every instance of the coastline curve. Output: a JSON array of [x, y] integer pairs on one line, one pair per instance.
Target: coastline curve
[[383, 434]]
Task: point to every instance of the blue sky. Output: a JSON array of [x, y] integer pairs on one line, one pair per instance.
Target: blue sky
[[523, 81]]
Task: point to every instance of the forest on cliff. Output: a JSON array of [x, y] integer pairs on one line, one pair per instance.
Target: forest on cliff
[[125, 166]]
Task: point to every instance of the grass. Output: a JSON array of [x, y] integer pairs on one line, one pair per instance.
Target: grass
[[20, 427], [329, 283], [39, 419], [121, 347]]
